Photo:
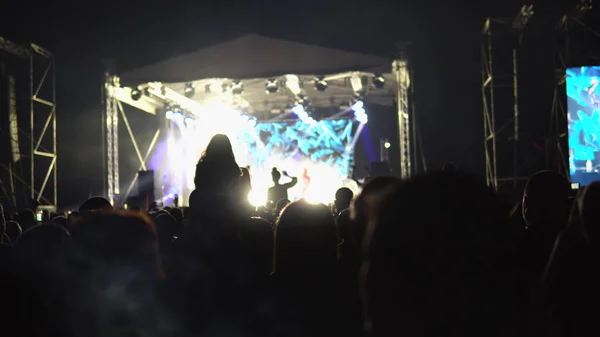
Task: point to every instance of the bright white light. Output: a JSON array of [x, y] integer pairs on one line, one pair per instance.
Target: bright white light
[[189, 122], [387, 145], [303, 115], [256, 198], [359, 112], [251, 122], [358, 105], [169, 115], [178, 117], [293, 83]]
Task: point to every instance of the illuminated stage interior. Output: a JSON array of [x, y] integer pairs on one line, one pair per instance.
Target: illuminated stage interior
[[324, 149]]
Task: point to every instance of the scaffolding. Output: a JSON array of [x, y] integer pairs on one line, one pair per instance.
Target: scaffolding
[[556, 157], [37, 166], [500, 95]]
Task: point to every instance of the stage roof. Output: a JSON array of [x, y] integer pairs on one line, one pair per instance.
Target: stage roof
[[253, 56]]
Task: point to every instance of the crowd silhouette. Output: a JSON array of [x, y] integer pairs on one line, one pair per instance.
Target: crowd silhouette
[[439, 254]]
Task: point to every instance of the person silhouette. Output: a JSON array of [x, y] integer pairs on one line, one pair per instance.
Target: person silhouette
[[279, 191]]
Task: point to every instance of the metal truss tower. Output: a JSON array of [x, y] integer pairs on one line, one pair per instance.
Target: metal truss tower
[[37, 171], [500, 78], [114, 113], [111, 128], [557, 140], [402, 73]]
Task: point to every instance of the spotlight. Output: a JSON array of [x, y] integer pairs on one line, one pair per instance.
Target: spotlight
[[178, 116], [237, 87], [189, 90], [378, 81], [359, 112], [168, 112], [387, 145], [301, 112], [320, 83], [293, 83], [271, 86], [302, 100], [356, 82], [136, 94], [189, 122]]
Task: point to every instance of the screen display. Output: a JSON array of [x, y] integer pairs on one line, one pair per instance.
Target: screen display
[[583, 104], [319, 155]]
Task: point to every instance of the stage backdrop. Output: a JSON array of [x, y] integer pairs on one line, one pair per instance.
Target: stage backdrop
[[319, 151]]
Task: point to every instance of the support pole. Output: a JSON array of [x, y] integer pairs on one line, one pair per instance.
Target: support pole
[[516, 120], [112, 135], [31, 128], [401, 71]]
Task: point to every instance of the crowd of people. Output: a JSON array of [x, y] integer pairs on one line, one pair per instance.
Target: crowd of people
[[436, 255]]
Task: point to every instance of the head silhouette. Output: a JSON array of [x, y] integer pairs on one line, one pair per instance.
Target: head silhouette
[[545, 199], [343, 198], [219, 148], [430, 261], [217, 172], [305, 238], [276, 175]]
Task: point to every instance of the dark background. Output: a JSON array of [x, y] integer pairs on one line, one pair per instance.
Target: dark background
[[445, 38]]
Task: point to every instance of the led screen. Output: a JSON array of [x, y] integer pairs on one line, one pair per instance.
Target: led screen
[[583, 103], [318, 155]]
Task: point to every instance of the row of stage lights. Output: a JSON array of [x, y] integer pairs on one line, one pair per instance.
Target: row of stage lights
[[272, 86], [320, 84]]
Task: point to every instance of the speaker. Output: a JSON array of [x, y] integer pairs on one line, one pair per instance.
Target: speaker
[[380, 169], [146, 188]]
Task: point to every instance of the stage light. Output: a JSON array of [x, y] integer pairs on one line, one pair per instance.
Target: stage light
[[300, 111], [293, 83], [302, 100], [178, 116], [271, 86], [378, 81], [168, 112], [136, 94], [188, 121], [356, 82], [359, 112], [320, 84], [387, 145], [237, 87], [189, 90]]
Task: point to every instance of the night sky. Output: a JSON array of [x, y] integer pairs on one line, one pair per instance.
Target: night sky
[[444, 34]]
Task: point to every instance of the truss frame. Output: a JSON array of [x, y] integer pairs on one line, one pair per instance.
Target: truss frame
[[495, 128], [38, 141]]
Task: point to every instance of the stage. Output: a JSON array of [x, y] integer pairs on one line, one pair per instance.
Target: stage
[[297, 115]]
